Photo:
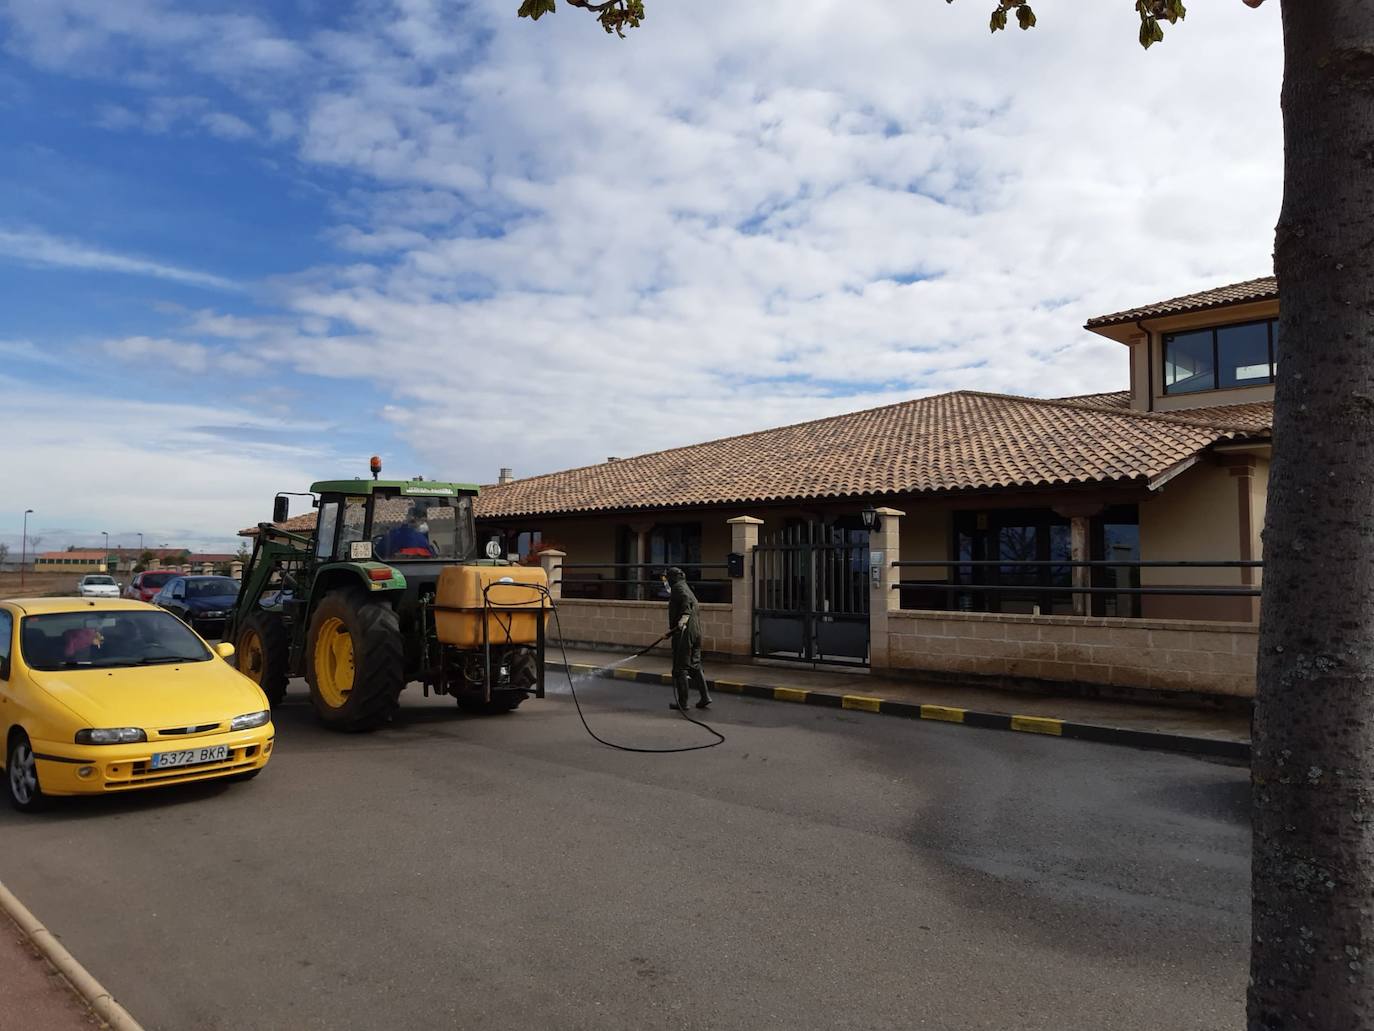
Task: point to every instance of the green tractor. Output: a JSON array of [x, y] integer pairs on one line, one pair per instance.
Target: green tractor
[[387, 589]]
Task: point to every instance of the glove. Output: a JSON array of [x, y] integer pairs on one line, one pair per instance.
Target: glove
[[682, 622]]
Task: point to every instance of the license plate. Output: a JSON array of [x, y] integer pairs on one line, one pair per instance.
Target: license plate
[[190, 757]]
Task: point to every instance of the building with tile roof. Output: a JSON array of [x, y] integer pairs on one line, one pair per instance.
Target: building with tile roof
[[1172, 468]]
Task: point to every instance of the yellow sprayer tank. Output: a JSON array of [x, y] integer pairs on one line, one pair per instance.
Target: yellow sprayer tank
[[515, 607]]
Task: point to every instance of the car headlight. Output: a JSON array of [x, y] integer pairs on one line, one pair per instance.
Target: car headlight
[[213, 615], [249, 720], [111, 736]]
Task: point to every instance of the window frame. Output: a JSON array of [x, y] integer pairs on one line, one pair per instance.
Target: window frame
[[7, 642], [1271, 328]]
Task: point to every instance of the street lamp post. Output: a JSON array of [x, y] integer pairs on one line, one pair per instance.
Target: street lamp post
[[107, 549], [24, 546]]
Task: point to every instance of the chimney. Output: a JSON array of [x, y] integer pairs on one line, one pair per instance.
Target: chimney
[[506, 475]]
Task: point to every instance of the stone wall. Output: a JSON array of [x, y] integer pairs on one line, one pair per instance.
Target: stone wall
[[1201, 658], [637, 623]]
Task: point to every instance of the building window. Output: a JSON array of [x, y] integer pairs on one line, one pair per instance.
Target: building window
[[1220, 358], [1116, 538]]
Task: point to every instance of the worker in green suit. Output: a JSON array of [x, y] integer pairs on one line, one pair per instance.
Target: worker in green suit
[[685, 624]]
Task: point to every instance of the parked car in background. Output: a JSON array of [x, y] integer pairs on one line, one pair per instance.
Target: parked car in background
[[146, 584], [107, 696], [201, 602], [97, 585]]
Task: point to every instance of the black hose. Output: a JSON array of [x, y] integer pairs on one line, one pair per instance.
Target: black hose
[[567, 671]]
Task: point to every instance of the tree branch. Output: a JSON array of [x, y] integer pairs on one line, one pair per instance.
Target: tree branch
[[614, 15]]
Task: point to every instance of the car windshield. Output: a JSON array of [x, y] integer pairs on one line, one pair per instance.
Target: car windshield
[[156, 579], [419, 527], [216, 587], [103, 640], [103, 581]]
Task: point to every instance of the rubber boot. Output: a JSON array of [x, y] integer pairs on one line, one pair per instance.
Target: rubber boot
[[703, 692]]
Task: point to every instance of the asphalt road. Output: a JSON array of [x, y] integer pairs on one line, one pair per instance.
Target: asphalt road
[[822, 869]]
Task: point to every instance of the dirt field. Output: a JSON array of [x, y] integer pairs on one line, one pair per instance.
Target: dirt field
[[38, 585]]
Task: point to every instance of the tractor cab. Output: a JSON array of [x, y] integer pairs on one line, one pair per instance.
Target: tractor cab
[[395, 521]]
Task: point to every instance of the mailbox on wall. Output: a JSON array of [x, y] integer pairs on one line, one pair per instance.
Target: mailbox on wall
[[734, 564]]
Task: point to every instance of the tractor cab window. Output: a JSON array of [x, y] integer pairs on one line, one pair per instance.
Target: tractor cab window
[[352, 528], [420, 528], [325, 526]]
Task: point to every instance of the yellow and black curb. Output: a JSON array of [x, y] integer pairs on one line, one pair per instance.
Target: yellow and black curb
[[1216, 747], [101, 1002]]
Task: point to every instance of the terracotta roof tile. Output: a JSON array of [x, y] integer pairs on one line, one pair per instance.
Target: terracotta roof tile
[[947, 443], [1111, 399], [1263, 289]]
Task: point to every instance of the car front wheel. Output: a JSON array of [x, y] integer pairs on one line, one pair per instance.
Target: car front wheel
[[21, 775]]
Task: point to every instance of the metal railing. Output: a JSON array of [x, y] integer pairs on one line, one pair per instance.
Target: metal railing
[[646, 587], [1045, 587]]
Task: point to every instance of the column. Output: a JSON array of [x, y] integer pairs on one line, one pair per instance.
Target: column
[[1242, 468], [744, 537], [641, 532], [1080, 549], [884, 548], [549, 559]]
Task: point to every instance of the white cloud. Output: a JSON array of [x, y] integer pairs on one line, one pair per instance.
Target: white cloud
[[178, 356], [162, 468], [571, 246], [227, 126], [38, 248]]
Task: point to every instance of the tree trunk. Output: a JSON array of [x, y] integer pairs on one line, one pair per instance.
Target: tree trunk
[[1313, 766]]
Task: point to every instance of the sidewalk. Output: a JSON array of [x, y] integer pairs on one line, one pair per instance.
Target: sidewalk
[[1175, 728], [34, 996]]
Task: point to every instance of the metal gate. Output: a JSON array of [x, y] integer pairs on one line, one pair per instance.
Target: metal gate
[[811, 595]]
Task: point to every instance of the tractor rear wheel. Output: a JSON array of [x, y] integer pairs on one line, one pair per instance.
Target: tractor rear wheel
[[354, 661], [524, 673], [262, 653]]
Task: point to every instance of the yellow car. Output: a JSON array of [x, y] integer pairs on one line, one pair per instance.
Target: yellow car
[[102, 696]]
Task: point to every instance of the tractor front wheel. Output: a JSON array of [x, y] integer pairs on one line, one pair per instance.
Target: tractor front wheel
[[262, 653], [355, 661]]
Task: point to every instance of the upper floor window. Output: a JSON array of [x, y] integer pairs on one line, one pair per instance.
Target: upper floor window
[[1243, 355]]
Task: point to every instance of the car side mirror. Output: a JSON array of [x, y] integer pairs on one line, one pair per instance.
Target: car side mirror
[[224, 650], [281, 509]]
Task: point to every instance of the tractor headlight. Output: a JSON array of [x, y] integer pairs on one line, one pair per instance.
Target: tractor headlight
[[111, 736], [249, 720]]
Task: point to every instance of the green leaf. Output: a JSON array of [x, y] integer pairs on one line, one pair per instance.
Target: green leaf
[[999, 20], [535, 9], [1025, 16]]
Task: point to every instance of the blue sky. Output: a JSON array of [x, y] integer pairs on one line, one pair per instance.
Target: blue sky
[[246, 245]]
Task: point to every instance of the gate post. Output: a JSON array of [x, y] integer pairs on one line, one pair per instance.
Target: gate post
[[549, 560], [744, 537], [884, 548]]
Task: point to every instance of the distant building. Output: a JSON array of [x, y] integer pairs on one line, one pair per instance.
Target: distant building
[[95, 561], [124, 560]]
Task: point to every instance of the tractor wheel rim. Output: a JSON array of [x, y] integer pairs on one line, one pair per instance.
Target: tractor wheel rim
[[334, 662], [252, 656], [23, 773]]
